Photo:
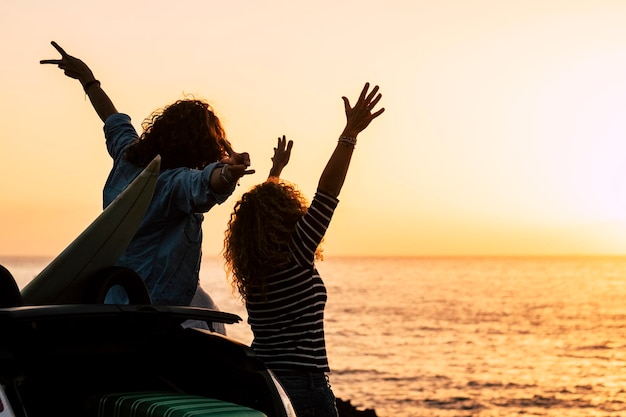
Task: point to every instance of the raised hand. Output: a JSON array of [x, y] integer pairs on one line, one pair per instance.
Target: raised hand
[[360, 116], [77, 69], [282, 153], [357, 119], [73, 67]]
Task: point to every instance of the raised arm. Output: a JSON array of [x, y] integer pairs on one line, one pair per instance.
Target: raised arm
[[77, 69], [357, 119]]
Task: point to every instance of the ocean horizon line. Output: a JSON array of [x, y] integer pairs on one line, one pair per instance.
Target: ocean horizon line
[[387, 256]]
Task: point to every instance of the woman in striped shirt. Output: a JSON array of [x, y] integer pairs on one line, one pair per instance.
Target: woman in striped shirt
[[271, 245]]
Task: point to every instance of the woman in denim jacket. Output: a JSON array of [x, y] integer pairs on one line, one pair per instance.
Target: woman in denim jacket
[[198, 170]]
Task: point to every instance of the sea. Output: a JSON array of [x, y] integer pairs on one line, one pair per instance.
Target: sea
[[462, 336]]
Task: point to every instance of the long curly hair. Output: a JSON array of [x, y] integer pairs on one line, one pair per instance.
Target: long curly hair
[[258, 234], [187, 133]]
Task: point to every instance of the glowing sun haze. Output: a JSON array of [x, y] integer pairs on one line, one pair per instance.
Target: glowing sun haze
[[503, 134]]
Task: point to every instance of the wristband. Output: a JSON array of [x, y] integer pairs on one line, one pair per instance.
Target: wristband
[[226, 178], [347, 140], [89, 84]]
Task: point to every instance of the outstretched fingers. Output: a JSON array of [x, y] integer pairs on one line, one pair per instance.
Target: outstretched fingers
[[373, 104], [360, 116], [378, 113], [372, 93], [282, 152], [364, 91], [366, 100], [61, 50], [346, 104], [50, 61], [372, 100], [283, 144], [64, 55]]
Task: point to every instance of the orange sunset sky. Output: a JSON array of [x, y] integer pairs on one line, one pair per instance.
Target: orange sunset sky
[[504, 131]]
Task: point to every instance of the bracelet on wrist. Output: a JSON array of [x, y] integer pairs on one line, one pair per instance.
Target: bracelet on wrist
[[347, 141], [88, 85], [226, 176]]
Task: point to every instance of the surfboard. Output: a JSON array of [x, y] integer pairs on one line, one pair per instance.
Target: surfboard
[[99, 246]]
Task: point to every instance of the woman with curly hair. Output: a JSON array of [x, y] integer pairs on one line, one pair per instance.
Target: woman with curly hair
[[198, 170], [271, 244]]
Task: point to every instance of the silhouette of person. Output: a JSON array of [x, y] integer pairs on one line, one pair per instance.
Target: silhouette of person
[[271, 244], [199, 169]]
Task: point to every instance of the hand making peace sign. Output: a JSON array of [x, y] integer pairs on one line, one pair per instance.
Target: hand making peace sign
[[73, 67]]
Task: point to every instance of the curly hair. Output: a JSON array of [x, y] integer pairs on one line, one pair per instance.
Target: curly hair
[[258, 234], [186, 134]]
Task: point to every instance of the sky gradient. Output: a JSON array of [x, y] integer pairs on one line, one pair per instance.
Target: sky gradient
[[503, 132]]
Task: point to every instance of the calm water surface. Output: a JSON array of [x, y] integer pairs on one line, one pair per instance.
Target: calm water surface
[[463, 336]]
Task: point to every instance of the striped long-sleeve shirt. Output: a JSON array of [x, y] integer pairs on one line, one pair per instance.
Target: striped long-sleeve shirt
[[288, 320]]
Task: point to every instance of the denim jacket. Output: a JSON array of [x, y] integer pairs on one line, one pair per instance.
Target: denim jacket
[[167, 248]]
